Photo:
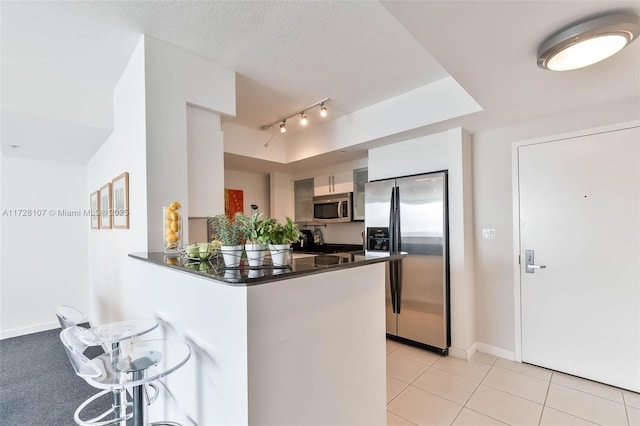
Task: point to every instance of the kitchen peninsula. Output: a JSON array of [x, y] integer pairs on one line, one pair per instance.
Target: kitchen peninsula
[[302, 345]]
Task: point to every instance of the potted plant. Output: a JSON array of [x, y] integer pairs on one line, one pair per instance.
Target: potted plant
[[229, 233], [254, 230], [280, 238]]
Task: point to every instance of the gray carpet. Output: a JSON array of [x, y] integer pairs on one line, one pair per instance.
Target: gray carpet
[[38, 386]]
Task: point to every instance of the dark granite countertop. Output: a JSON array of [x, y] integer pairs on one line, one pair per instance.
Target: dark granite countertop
[[243, 276]]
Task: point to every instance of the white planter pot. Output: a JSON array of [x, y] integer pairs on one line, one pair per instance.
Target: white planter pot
[[280, 254], [231, 255], [255, 253]]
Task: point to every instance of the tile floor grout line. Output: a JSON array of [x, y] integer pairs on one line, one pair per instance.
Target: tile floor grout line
[[544, 404], [626, 412], [590, 394], [486, 415], [458, 375], [403, 418]]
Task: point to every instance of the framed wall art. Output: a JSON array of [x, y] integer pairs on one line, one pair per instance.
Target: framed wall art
[[94, 203], [105, 206], [120, 189]]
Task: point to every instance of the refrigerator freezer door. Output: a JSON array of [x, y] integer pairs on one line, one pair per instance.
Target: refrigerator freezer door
[[377, 196], [422, 305], [378, 207]]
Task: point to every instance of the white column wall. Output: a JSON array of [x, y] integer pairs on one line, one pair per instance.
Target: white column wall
[[205, 158], [43, 260], [123, 151], [281, 196], [173, 79], [449, 150]]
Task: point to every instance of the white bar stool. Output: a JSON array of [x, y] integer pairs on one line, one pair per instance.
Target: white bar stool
[[144, 362]]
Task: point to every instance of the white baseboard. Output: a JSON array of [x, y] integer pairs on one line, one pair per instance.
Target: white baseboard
[[495, 351], [21, 331], [466, 354]]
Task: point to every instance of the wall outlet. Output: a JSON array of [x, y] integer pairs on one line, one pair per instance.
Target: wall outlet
[[489, 234]]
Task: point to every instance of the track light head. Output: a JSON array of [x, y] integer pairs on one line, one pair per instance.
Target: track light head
[[282, 128], [323, 110], [303, 119]]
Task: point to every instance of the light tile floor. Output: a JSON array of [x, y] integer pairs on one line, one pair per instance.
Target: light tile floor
[[426, 389]]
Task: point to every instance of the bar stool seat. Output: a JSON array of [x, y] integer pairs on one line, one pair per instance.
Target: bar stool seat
[[142, 363]]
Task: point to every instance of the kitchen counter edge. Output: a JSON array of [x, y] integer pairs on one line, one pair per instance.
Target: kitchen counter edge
[[159, 258]]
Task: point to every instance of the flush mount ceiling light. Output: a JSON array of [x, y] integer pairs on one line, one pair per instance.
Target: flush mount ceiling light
[[588, 42], [303, 118]]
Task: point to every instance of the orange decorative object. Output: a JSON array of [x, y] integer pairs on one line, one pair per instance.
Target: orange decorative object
[[233, 202]]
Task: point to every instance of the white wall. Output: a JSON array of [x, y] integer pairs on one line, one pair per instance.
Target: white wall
[[255, 187], [150, 142], [493, 208], [204, 159], [124, 150], [450, 150], [173, 79], [250, 142], [44, 257], [281, 196]]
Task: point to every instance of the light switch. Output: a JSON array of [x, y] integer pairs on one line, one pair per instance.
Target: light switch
[[489, 234]]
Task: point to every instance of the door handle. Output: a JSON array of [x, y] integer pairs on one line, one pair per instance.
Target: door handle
[[529, 265]]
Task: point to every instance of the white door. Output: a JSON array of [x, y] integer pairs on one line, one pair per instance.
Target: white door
[[580, 213]]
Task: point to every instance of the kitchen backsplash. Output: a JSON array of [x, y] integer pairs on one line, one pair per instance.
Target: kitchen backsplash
[[341, 233]]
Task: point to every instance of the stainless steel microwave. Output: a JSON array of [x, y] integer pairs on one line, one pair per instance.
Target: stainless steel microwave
[[332, 208]]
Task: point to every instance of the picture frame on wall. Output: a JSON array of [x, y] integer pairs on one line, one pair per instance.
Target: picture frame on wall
[[94, 203], [120, 190], [105, 206]]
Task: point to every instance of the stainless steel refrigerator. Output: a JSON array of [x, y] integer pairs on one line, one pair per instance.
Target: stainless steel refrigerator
[[409, 214]]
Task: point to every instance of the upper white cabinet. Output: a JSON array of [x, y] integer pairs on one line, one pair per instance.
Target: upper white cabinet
[[333, 184]]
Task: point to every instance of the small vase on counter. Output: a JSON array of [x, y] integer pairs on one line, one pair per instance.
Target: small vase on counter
[[172, 228]]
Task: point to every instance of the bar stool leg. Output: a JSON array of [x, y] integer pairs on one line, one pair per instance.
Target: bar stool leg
[[139, 402], [120, 395]]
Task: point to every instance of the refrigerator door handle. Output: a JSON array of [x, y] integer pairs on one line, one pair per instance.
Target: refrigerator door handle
[[392, 214], [392, 284], [398, 290], [397, 233]]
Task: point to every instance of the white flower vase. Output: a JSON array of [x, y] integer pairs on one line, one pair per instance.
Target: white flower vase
[[280, 254], [255, 253], [231, 255]]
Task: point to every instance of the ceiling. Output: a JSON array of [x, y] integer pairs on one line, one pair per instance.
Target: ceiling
[[290, 54]]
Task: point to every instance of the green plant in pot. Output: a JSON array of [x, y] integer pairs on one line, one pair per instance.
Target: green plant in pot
[[230, 233], [255, 232], [280, 239]]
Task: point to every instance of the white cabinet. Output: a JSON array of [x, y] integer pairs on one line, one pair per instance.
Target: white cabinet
[[333, 184]]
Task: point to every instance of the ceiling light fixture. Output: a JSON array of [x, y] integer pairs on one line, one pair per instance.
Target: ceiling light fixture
[[303, 118], [588, 42]]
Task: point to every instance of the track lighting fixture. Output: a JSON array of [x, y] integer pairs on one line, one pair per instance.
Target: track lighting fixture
[[304, 120]]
